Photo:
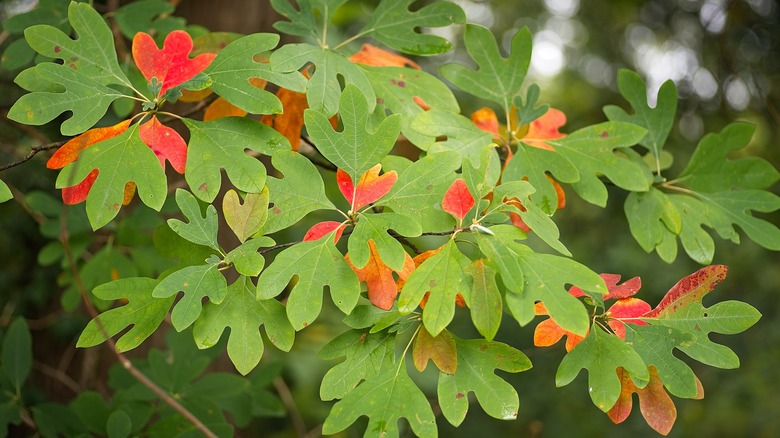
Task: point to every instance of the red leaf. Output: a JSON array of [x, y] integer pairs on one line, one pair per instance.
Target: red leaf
[[171, 65], [165, 142], [545, 128], [548, 332], [70, 151], [690, 289], [372, 55], [655, 404], [614, 291], [370, 188], [486, 120], [78, 193], [321, 229], [458, 200], [625, 309]]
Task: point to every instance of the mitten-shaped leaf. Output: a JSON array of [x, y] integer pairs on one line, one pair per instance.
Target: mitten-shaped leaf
[[477, 360], [393, 24], [143, 313], [196, 282]]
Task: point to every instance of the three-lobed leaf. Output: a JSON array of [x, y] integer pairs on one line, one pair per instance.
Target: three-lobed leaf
[[196, 282], [243, 314], [366, 355], [199, 230]]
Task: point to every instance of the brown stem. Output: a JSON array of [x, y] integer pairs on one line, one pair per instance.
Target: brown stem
[[59, 376], [164, 396], [292, 408], [33, 151]]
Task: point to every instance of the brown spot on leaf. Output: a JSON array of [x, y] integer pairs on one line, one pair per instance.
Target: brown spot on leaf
[[276, 210], [362, 338], [401, 84], [57, 49], [305, 324], [432, 283], [459, 395], [483, 347], [604, 134], [203, 187], [116, 207], [380, 101]]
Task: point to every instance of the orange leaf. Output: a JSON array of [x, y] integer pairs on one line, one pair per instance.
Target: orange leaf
[[486, 120], [326, 227], [290, 122], [370, 188], [689, 289], [382, 287], [625, 309], [372, 55], [70, 151], [458, 200], [548, 333], [545, 128], [222, 108], [655, 404], [614, 290], [440, 349], [165, 142], [171, 65]]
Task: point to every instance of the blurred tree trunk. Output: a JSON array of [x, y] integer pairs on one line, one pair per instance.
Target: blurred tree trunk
[[242, 16]]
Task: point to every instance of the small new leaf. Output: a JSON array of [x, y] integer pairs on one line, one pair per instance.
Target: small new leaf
[[440, 349], [200, 230]]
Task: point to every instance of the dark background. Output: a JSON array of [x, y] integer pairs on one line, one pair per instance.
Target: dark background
[[724, 57]]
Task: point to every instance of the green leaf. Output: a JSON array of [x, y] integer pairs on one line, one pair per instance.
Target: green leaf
[[16, 55], [532, 214], [601, 353], [235, 65], [243, 314], [394, 25], [172, 246], [726, 317], [221, 144], [477, 360], [384, 398], [528, 111], [483, 178], [442, 275], [91, 55], [399, 89], [118, 425], [545, 277], [651, 217], [420, 188], [17, 353], [462, 135], [324, 87], [246, 258], [533, 164], [290, 203], [710, 169], [199, 230], [150, 16], [143, 312], [196, 282], [5, 192], [57, 89], [695, 240], [503, 252], [316, 264], [655, 344], [356, 148], [658, 120], [376, 227], [247, 219], [120, 160], [365, 354], [593, 151], [52, 12], [485, 302], [308, 21], [727, 209], [497, 78]]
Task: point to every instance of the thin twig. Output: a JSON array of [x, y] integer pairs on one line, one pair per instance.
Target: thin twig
[[279, 246], [138, 375], [59, 376], [405, 241], [34, 150], [289, 402]]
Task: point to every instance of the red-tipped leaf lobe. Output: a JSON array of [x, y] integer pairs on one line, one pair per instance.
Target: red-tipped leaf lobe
[[323, 228], [165, 142], [371, 186], [690, 289], [458, 200], [171, 65]]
